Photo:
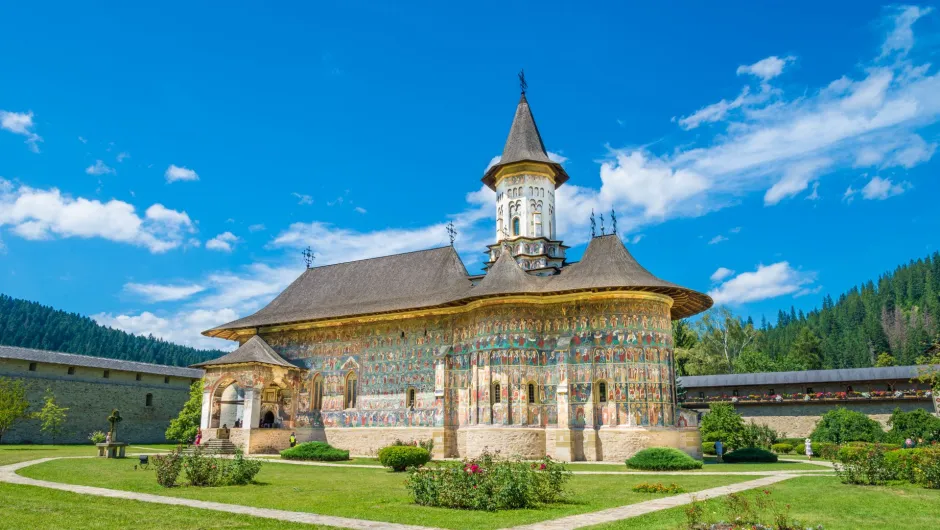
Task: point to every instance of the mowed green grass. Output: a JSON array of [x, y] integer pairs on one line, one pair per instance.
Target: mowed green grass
[[710, 466], [33, 508], [374, 494], [12, 454], [826, 501]]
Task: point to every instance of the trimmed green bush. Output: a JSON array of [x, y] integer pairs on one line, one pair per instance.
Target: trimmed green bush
[[782, 448], [662, 459], [750, 454], [842, 425], [708, 448], [916, 424], [401, 457], [319, 451]]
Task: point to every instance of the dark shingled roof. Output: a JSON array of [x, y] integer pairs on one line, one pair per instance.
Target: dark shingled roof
[[437, 277], [890, 373], [71, 359], [524, 144], [254, 350], [412, 280], [505, 277], [607, 264]]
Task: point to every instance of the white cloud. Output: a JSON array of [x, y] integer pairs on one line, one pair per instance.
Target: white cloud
[[900, 39], [880, 189], [717, 239], [303, 199], [122, 156], [256, 228], [82, 140], [766, 282], [175, 173], [46, 214], [153, 292], [222, 242], [636, 239], [360, 209], [21, 123], [795, 179], [766, 69], [735, 230], [721, 274], [184, 327], [99, 168]]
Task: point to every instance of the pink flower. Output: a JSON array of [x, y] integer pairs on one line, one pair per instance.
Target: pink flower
[[542, 467]]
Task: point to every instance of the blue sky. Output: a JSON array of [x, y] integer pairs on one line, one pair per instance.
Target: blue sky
[[160, 170]]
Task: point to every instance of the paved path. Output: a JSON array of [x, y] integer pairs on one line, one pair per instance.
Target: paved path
[[642, 508], [8, 474]]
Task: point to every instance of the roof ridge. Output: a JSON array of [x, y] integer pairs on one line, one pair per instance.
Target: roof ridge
[[383, 256]]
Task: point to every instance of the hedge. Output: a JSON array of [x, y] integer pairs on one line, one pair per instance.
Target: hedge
[[662, 459], [782, 448], [401, 457], [750, 454], [320, 451], [708, 448]]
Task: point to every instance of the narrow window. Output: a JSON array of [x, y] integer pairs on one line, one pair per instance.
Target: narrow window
[[138, 377], [849, 389], [149, 400], [809, 390], [32, 367], [496, 396], [166, 380], [772, 393], [602, 392], [316, 399], [515, 226], [71, 370], [531, 392], [106, 374], [701, 395], [411, 398], [351, 391], [734, 392]]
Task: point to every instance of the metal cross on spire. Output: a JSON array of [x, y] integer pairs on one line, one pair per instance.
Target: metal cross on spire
[[308, 256], [613, 219], [593, 225], [451, 232], [522, 84], [603, 232]]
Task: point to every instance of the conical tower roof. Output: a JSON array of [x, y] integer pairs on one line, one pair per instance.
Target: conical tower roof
[[524, 144], [254, 350]]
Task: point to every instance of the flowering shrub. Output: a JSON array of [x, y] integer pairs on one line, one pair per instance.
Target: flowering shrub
[[489, 483], [755, 511], [799, 396], [168, 467], [203, 469], [862, 464], [401, 457], [646, 487]]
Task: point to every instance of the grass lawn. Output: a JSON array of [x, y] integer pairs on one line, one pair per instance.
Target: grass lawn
[[709, 466], [825, 501], [374, 494], [41, 508], [11, 454]]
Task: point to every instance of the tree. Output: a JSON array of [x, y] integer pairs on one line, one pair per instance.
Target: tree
[[725, 336], [916, 424], [13, 403], [806, 351], [722, 422], [183, 428], [841, 425], [52, 416], [885, 359], [752, 361]]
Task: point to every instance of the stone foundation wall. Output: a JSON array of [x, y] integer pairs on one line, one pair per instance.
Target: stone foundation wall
[[799, 420], [618, 444], [525, 442], [90, 398]]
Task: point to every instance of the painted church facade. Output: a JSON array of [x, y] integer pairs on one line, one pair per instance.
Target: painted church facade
[[538, 356]]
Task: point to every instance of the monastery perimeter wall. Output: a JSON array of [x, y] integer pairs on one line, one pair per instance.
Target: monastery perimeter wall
[[799, 420]]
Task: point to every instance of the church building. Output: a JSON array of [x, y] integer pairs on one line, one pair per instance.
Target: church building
[[536, 357]]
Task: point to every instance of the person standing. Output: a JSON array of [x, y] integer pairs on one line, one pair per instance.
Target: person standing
[[198, 437], [808, 444], [293, 440], [720, 451]]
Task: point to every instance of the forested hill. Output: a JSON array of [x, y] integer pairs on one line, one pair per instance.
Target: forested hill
[[32, 325], [899, 314]]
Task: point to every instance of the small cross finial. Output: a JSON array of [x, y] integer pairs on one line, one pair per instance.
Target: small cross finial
[[522, 84], [308, 257], [603, 232], [593, 225], [613, 219], [451, 232]]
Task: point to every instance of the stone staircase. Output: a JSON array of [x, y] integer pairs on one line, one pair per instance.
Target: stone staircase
[[217, 446]]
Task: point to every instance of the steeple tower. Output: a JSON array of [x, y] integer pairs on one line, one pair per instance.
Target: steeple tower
[[525, 180]]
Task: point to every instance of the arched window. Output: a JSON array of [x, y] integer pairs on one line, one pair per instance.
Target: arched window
[[602, 391], [316, 393], [496, 396], [533, 392], [149, 400], [412, 398], [352, 391], [515, 226], [530, 190]]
